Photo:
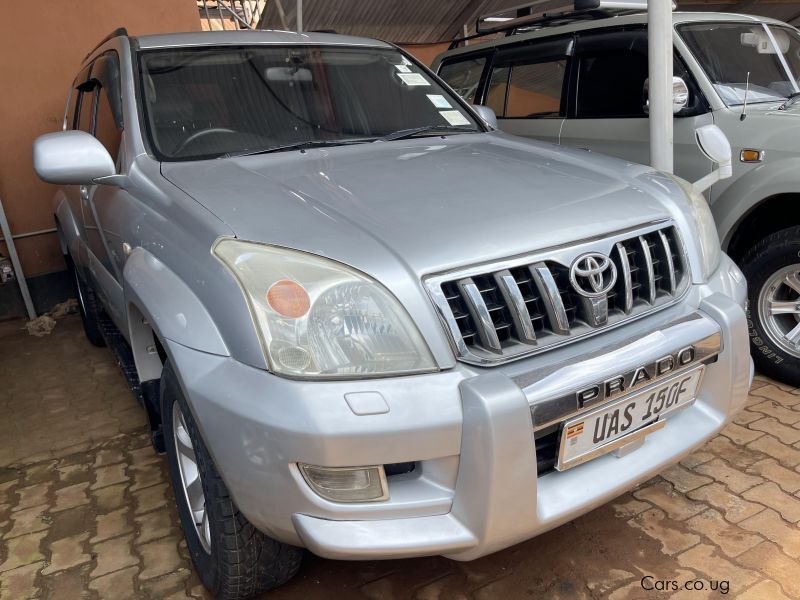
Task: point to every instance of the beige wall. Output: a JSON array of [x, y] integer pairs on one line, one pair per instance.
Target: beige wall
[[41, 46], [425, 53]]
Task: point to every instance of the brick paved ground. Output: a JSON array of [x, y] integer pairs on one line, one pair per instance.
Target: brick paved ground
[[85, 510]]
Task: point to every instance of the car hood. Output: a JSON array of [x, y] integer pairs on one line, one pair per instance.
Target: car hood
[[432, 203]]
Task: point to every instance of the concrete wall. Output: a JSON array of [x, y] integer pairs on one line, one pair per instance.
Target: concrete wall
[[41, 46]]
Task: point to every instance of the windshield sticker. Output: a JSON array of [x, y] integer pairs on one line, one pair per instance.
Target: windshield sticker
[[413, 79], [403, 68], [454, 117], [439, 101]]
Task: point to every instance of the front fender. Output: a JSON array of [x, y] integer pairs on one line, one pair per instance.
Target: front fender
[[69, 229], [169, 305], [765, 181]]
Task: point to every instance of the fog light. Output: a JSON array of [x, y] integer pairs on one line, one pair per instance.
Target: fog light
[[347, 484]]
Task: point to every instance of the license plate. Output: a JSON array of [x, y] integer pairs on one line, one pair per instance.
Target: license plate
[[606, 428]]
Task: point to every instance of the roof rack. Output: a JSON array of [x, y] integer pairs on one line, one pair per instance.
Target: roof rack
[[118, 32], [544, 13]]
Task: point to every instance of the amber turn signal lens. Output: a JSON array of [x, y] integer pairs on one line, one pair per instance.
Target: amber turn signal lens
[[288, 299], [751, 156]]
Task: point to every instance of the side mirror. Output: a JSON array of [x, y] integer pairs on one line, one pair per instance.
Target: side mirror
[[487, 114], [71, 157], [715, 146], [680, 95]]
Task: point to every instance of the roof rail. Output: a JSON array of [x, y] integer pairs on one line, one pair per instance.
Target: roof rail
[[118, 32], [511, 19]]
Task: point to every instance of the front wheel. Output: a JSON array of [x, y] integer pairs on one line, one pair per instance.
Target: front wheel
[[87, 306], [233, 559], [772, 268]]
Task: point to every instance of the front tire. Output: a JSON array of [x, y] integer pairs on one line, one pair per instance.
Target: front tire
[[232, 558], [88, 306], [772, 268]]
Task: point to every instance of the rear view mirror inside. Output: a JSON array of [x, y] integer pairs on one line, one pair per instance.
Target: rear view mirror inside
[[297, 75], [760, 40]]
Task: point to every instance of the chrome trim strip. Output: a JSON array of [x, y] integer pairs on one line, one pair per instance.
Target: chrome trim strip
[[480, 314], [651, 272], [553, 305], [673, 284], [626, 277], [551, 403], [516, 303]]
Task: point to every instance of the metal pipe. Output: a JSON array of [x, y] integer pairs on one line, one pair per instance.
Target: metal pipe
[[12, 254], [28, 234], [659, 36], [299, 16]]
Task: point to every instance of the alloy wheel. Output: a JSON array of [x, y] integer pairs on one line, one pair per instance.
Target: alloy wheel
[[191, 482], [779, 308]]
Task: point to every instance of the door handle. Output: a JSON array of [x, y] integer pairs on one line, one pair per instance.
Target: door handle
[[84, 192]]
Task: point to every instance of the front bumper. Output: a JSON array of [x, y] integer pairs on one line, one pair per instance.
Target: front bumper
[[469, 430]]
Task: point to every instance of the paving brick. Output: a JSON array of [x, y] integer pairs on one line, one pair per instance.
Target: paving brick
[[747, 416], [118, 585], [73, 473], [109, 498], [740, 457], [106, 476], [771, 408], [40, 473], [113, 555], [6, 493], [171, 584], [672, 538], [769, 560], [787, 479], [785, 454], [28, 520], [71, 496], [112, 524], [778, 394], [732, 540], [33, 495], [715, 566], [697, 458], [684, 480], [66, 585], [153, 525], [67, 553], [740, 435], [772, 526], [22, 550], [785, 433], [159, 558], [628, 506], [108, 456], [733, 508], [771, 495], [150, 498], [735, 480], [146, 476], [20, 582], [676, 505], [764, 590]]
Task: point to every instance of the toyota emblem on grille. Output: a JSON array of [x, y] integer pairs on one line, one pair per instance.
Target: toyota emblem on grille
[[593, 274]]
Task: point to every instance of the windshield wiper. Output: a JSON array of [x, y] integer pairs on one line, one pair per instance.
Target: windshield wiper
[[298, 146], [791, 100], [405, 133]]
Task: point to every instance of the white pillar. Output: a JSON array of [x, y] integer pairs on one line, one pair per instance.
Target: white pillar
[[659, 35], [300, 16]]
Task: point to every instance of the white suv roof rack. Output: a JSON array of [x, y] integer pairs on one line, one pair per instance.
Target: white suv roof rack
[[543, 12]]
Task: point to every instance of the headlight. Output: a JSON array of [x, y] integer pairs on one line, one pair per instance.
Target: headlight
[[319, 318], [706, 227]]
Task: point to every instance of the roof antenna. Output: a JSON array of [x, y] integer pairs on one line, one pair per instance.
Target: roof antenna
[[743, 116]]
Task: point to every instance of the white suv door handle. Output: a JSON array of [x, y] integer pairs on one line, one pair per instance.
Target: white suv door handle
[[84, 192]]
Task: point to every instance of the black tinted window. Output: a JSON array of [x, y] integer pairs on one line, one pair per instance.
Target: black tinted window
[[464, 76], [85, 109], [612, 69], [106, 129], [210, 102]]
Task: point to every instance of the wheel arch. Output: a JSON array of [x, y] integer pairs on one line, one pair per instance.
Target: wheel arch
[[772, 214]]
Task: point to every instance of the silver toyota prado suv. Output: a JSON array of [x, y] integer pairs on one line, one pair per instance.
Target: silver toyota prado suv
[[362, 321]]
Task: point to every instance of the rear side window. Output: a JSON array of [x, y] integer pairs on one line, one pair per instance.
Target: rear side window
[[530, 81], [464, 76], [106, 130], [84, 111], [612, 69]]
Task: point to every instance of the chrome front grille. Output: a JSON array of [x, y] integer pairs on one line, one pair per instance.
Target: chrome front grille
[[507, 310]]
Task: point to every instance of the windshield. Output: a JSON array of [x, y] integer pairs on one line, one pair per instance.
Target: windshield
[[734, 53], [222, 101]]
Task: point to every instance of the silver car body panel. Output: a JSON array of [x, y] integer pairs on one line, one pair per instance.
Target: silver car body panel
[[398, 211]]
